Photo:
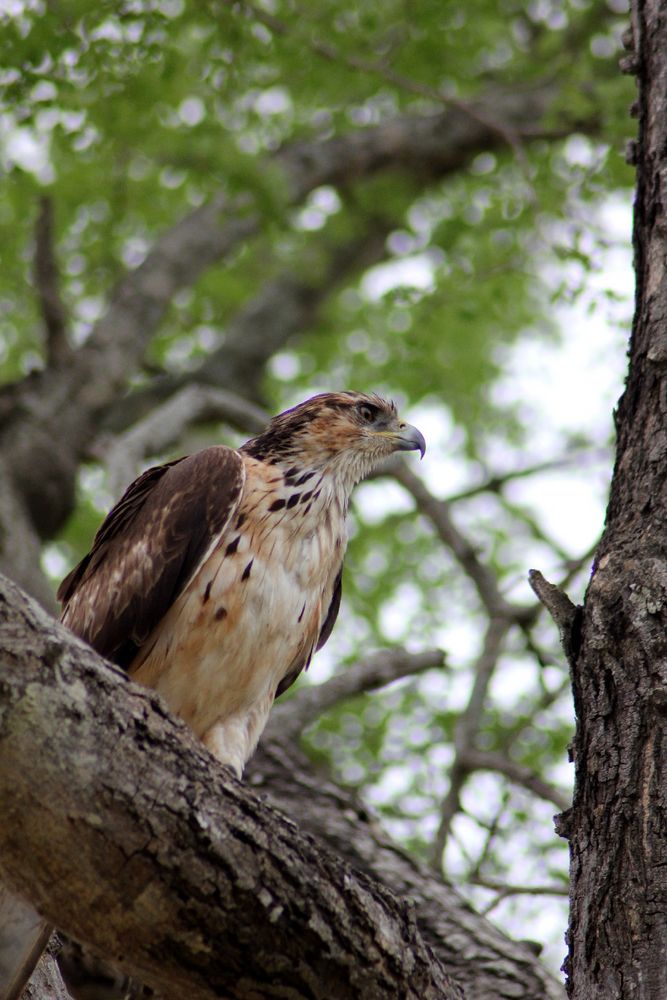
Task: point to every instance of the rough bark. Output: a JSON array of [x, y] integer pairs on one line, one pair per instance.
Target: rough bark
[[618, 925], [46, 982], [23, 936], [125, 832], [488, 965]]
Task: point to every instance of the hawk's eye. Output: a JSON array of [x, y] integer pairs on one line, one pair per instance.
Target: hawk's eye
[[367, 413]]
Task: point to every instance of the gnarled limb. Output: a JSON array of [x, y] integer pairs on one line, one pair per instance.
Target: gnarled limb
[[127, 833]]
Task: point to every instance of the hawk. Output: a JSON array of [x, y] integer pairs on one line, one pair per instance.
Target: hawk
[[216, 577]]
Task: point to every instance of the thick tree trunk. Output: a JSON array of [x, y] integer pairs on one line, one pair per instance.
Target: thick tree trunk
[[121, 829], [124, 832], [618, 927]]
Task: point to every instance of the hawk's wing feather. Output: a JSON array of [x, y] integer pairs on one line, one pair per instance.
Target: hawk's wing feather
[[325, 632], [118, 518], [145, 553], [332, 613]]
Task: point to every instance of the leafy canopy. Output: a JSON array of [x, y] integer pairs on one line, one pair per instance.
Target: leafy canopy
[[130, 115]]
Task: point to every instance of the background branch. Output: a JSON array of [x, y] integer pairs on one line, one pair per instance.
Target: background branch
[[479, 956], [437, 512], [288, 720], [164, 426], [47, 285], [484, 760], [76, 397], [467, 728], [506, 889], [285, 306]]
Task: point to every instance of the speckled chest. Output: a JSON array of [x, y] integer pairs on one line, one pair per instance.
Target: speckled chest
[[254, 610]]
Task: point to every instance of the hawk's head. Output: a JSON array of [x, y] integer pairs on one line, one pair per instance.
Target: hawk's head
[[347, 433]]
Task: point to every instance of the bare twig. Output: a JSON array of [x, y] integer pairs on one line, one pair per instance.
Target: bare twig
[[46, 277], [165, 425], [492, 829], [515, 731], [565, 614], [483, 760], [522, 514], [557, 603], [376, 671], [466, 732], [507, 889], [437, 512], [495, 482]]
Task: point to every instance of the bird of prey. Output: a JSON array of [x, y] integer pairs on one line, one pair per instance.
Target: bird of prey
[[216, 577]]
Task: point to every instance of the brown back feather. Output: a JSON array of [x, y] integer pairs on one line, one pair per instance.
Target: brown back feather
[[148, 548]]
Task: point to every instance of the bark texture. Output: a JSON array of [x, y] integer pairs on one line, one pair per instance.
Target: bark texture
[[478, 956], [618, 928], [129, 836], [23, 937], [125, 833]]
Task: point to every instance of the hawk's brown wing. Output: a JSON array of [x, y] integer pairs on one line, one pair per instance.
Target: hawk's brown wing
[[148, 548], [325, 632]]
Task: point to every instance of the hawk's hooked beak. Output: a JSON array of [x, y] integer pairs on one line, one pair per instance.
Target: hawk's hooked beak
[[408, 438]]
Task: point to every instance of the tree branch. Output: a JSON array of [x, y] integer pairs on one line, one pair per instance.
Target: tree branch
[[566, 615], [153, 817], [507, 889], [437, 512], [495, 482], [164, 426], [288, 720], [380, 68], [20, 545], [428, 146], [480, 957], [467, 728], [284, 307], [46, 277], [125, 832], [485, 760]]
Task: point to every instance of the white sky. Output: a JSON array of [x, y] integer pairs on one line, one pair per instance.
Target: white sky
[[565, 388]]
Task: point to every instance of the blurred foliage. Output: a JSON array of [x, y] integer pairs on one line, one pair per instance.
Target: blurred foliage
[[130, 114]]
